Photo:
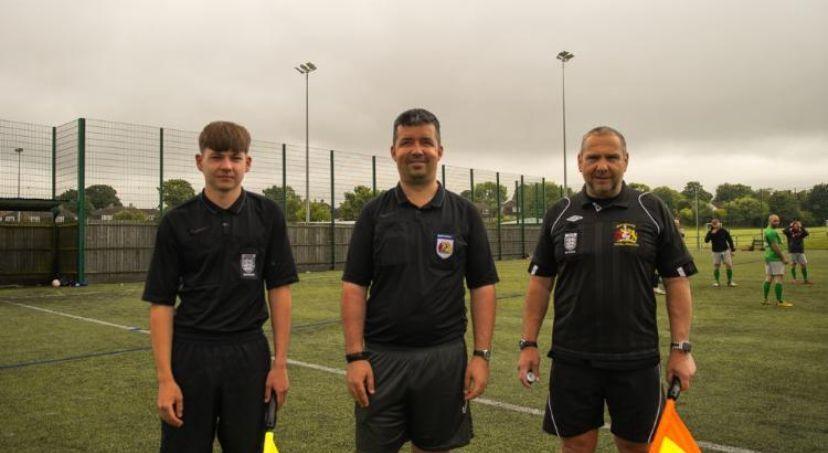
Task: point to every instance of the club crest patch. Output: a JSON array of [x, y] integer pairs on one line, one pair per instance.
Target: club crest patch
[[570, 243], [445, 245], [248, 264], [625, 235]]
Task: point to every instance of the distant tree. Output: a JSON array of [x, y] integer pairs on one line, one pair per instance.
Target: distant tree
[[672, 198], [294, 202], [816, 202], [690, 189], [176, 191], [102, 196], [69, 201], [354, 201], [536, 199], [784, 204], [320, 211], [729, 192], [130, 213], [639, 186], [746, 211]]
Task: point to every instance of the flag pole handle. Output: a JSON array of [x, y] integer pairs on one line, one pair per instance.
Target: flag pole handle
[[270, 413], [675, 389]]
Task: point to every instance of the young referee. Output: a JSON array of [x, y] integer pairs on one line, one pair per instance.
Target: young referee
[[217, 253]]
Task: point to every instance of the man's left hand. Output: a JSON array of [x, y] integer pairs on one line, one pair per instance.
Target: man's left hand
[[277, 381], [681, 365], [477, 377]]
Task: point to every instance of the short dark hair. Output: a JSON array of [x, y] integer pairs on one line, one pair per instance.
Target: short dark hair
[[416, 117], [604, 130], [221, 136]]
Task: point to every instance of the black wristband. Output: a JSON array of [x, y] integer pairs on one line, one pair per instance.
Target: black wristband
[[361, 355]]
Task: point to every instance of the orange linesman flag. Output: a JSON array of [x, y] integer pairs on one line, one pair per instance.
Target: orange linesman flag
[[672, 435]]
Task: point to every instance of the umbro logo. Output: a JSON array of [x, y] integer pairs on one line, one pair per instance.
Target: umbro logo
[[574, 218]]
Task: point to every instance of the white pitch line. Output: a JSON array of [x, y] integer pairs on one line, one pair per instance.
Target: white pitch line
[[339, 371]]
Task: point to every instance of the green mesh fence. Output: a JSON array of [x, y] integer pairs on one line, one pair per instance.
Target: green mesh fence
[[25, 160]]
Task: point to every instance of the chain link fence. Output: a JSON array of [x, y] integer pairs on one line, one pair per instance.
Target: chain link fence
[[131, 174]]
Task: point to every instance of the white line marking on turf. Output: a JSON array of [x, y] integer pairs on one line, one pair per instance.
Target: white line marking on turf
[[80, 318], [341, 372]]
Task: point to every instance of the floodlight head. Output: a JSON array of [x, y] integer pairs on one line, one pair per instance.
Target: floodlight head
[[300, 71], [311, 66], [565, 56], [18, 150], [305, 68]]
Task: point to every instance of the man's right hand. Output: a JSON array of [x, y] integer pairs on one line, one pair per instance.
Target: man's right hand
[[529, 361], [170, 403], [360, 378]]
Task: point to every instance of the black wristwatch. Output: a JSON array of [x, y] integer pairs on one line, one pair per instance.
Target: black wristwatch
[[361, 355], [486, 354], [683, 346], [524, 343]]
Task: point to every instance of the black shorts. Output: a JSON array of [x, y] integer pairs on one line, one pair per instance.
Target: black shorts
[[223, 386], [577, 393], [418, 397]]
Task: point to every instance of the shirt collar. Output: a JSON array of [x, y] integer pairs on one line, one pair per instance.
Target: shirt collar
[[234, 209], [435, 202], [623, 199]]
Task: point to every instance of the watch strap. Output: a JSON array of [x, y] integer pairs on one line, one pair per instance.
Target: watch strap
[[353, 357]]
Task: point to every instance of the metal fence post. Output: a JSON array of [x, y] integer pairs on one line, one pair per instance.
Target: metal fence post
[[374, 175], [81, 200], [284, 182], [333, 215], [522, 220], [471, 183], [543, 196], [54, 162], [161, 174], [499, 219], [445, 186]]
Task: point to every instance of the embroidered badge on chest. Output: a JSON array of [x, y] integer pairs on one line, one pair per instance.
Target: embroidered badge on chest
[[625, 235], [445, 245], [248, 264], [570, 243]]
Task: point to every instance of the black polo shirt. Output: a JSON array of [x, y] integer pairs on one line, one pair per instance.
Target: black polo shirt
[[415, 260], [604, 255], [796, 243], [218, 261], [721, 240]]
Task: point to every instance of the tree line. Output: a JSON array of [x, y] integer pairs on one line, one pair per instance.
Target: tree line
[[734, 204]]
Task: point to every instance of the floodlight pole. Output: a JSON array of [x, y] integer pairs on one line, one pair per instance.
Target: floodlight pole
[[564, 56], [306, 69], [19, 152]]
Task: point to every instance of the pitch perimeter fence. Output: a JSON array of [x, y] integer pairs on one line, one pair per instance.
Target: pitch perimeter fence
[[115, 181]]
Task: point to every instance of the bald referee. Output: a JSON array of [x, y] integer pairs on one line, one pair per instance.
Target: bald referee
[[600, 248]]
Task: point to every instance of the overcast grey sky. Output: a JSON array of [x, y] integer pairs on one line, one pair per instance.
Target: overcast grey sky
[[716, 91]]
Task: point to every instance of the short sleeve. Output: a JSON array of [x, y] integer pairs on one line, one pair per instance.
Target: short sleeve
[[543, 259], [672, 258], [480, 265], [280, 267], [359, 266], [163, 276]]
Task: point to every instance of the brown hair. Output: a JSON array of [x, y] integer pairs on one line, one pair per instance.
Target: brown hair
[[221, 136]]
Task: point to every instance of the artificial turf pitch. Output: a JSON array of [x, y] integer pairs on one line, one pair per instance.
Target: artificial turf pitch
[[68, 384]]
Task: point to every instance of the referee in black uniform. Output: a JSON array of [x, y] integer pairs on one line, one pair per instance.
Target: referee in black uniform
[[217, 252], [602, 246], [413, 246]]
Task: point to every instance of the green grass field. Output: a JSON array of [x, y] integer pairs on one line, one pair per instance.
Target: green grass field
[[68, 384]]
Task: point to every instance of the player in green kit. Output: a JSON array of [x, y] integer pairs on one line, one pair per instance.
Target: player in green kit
[[774, 262]]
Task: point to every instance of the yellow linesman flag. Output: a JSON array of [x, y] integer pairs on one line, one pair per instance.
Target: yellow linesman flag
[[672, 436], [270, 443]]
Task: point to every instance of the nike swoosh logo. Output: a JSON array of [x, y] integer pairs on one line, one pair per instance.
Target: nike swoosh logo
[[198, 230]]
